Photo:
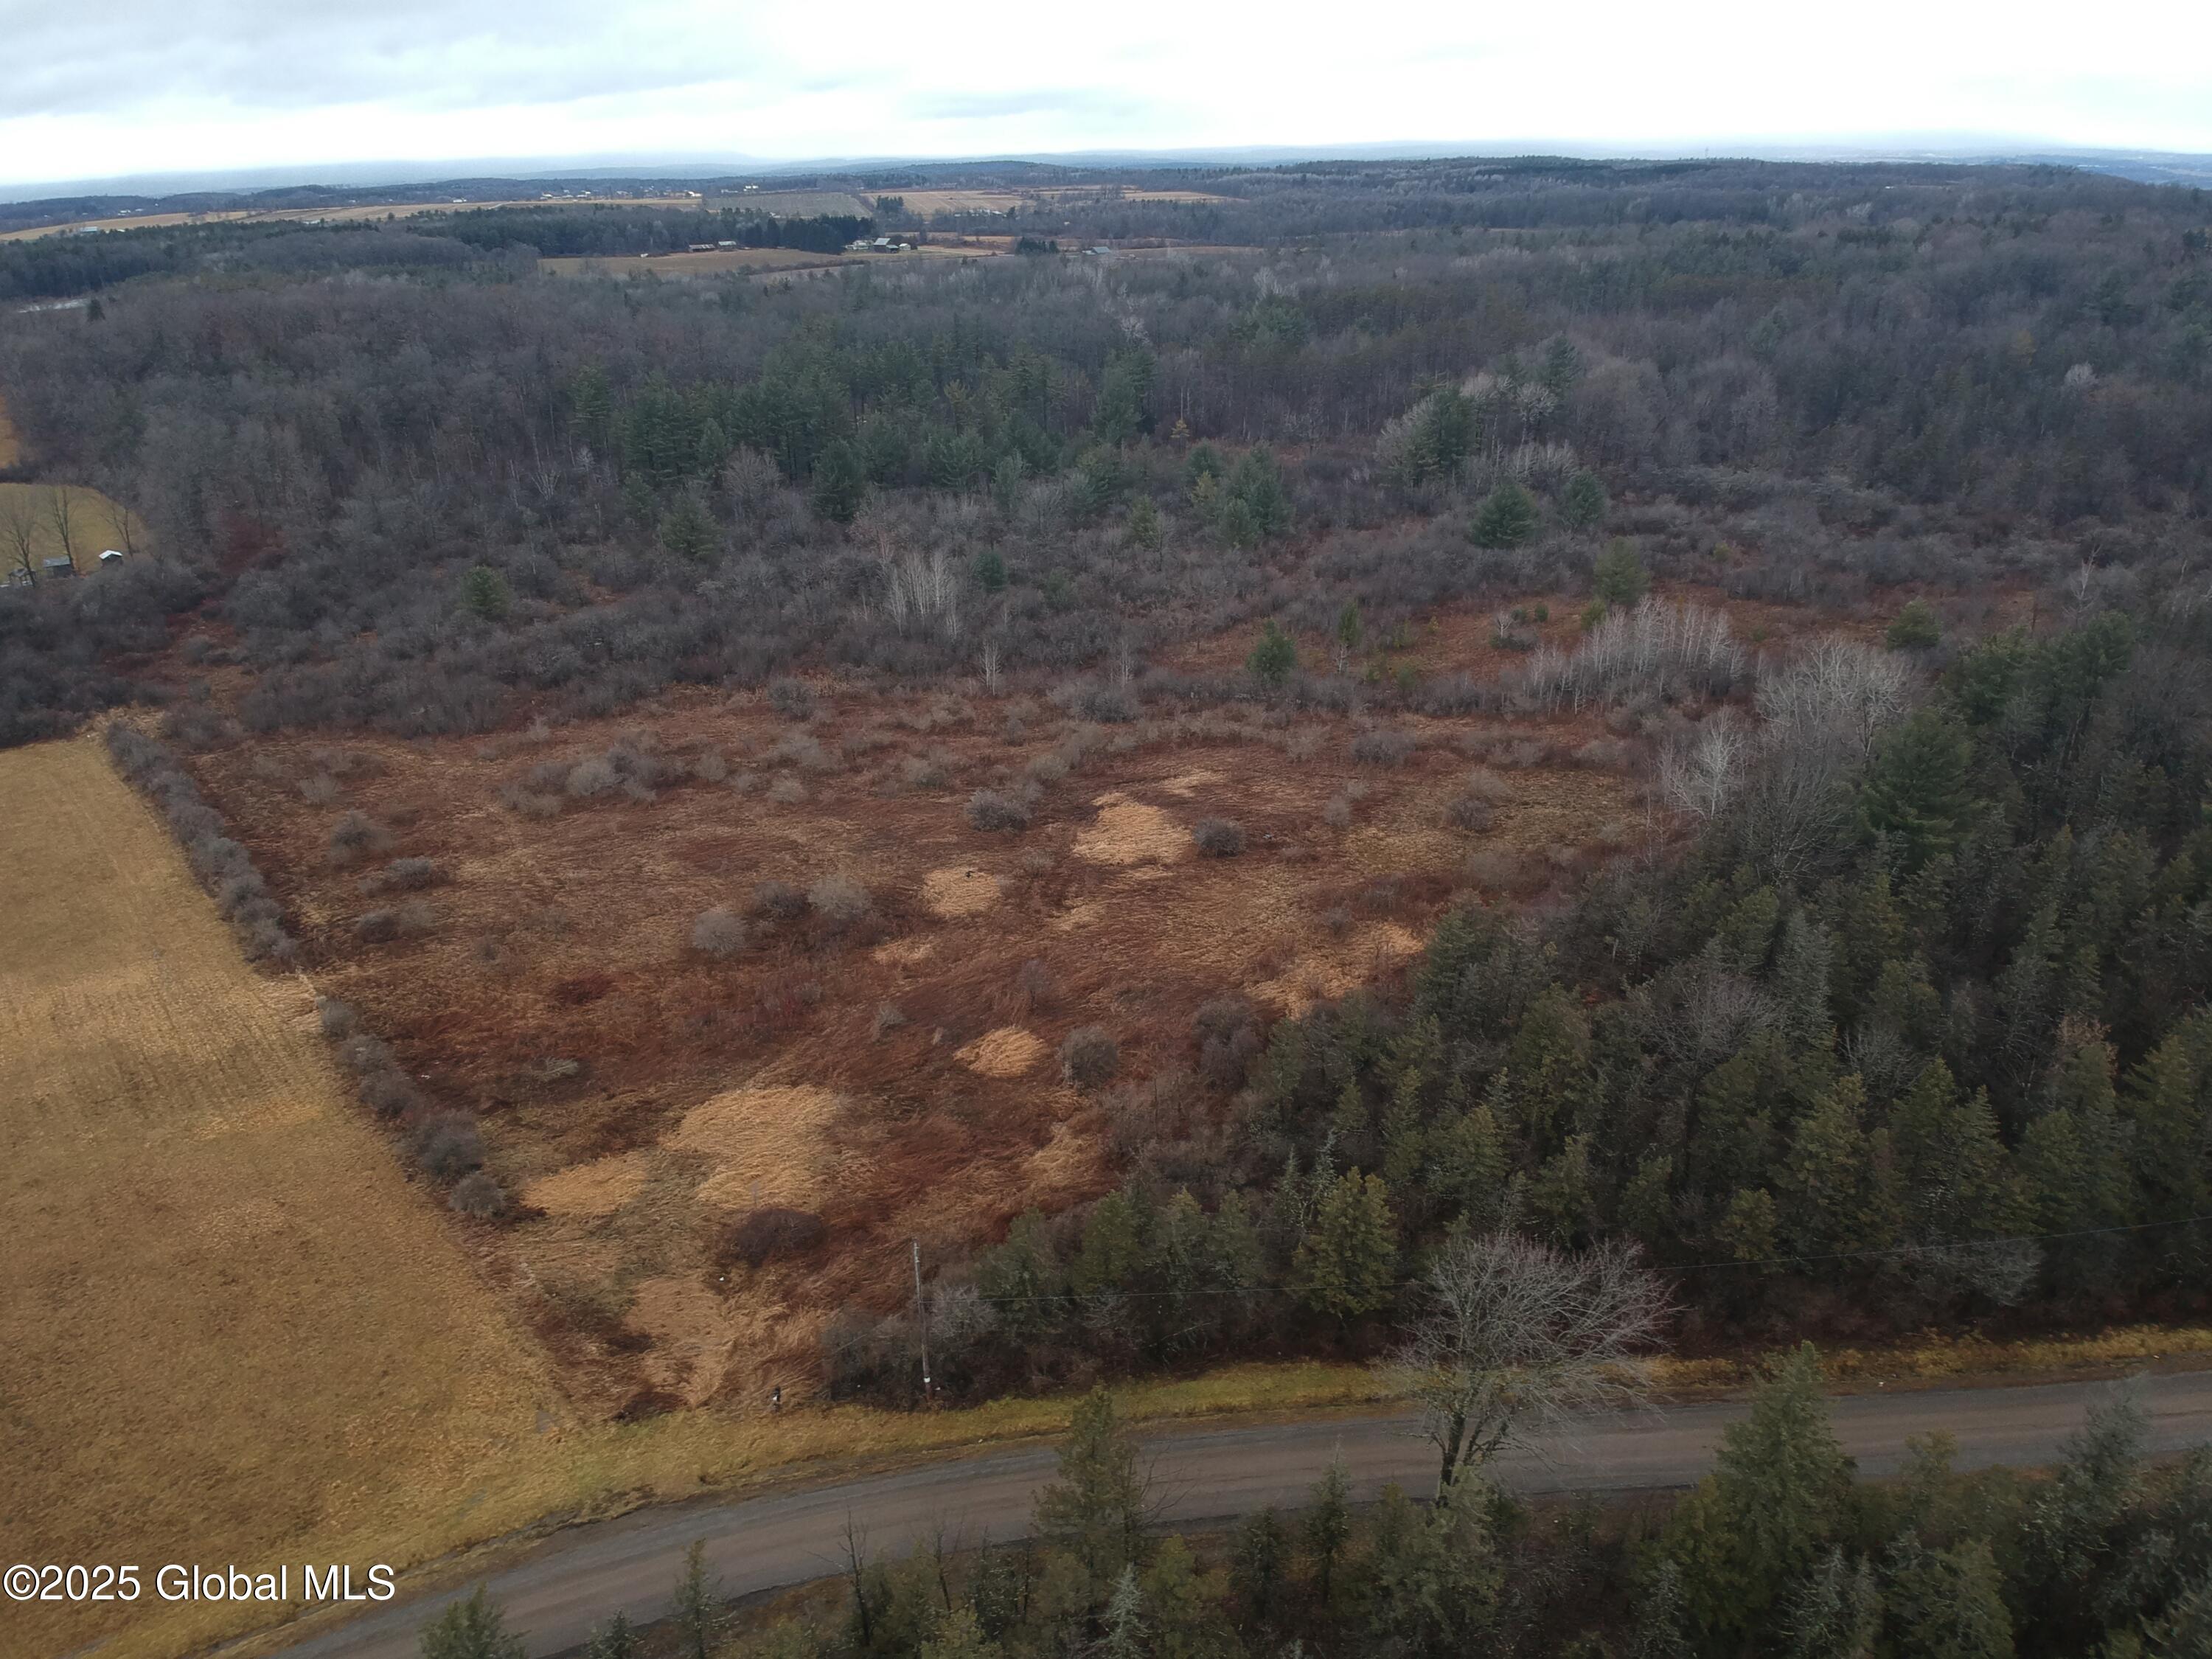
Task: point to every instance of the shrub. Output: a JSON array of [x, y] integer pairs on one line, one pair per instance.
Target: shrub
[[1095, 700], [1220, 838], [1033, 981], [337, 1019], [779, 899], [478, 1196], [839, 898], [718, 932], [791, 698], [765, 1235], [1470, 812], [1383, 745], [592, 777], [321, 790], [1337, 815], [1227, 1030], [383, 925], [355, 834], [1485, 785], [888, 1019], [401, 876], [389, 1094], [448, 1146], [987, 809], [787, 791], [365, 1053], [1089, 1057]]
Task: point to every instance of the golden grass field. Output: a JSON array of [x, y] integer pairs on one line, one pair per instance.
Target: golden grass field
[[95, 522], [233, 1332], [11, 449]]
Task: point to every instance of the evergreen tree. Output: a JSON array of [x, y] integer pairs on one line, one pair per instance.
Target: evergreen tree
[[1916, 629], [1833, 1612], [1096, 1510], [839, 486], [471, 1629], [1620, 578], [1144, 523], [700, 1616], [613, 1640], [1773, 1504], [991, 570], [686, 530], [1274, 659], [1506, 518], [1946, 1603], [1346, 1265], [1259, 1566], [1916, 792], [1326, 1529], [485, 594], [1583, 504], [959, 1635]]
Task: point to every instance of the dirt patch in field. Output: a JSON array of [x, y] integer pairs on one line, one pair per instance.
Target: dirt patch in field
[[1008, 1051], [958, 891]]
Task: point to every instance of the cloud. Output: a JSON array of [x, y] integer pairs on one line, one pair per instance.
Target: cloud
[[105, 87]]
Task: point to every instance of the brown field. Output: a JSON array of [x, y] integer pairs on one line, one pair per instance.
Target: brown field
[[798, 203], [95, 522], [356, 215], [638, 1096], [721, 262], [11, 448], [234, 1331]]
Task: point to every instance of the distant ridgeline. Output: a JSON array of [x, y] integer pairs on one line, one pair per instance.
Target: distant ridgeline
[[62, 266]]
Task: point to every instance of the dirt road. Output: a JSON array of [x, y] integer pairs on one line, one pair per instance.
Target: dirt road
[[579, 1578]]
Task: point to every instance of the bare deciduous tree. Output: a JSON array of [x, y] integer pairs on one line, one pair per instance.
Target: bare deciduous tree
[[1517, 1336], [1701, 776], [19, 531], [61, 506]]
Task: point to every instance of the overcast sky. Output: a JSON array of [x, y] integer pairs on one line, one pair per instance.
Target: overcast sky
[[94, 89]]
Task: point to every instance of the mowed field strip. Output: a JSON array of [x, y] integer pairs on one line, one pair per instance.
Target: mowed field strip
[[234, 1332]]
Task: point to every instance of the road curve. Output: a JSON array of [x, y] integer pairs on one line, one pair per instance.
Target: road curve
[[580, 1577]]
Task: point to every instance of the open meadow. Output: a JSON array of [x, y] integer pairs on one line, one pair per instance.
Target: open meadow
[[39, 522]]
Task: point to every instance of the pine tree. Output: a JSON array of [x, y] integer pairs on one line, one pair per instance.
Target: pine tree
[[959, 1636], [840, 485], [1259, 1565], [1620, 578], [1096, 1510], [613, 1640], [471, 1629], [1775, 1501], [1826, 1179], [1346, 1264], [485, 594], [700, 1615], [1946, 1604], [1583, 504], [1144, 524], [1506, 518], [1274, 659], [1916, 792], [1326, 1529], [1834, 1612]]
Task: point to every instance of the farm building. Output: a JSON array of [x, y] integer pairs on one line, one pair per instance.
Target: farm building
[[59, 569]]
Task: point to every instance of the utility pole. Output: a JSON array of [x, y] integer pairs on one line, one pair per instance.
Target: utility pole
[[921, 1318]]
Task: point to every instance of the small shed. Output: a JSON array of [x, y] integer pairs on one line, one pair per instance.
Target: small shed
[[111, 556], [59, 570]]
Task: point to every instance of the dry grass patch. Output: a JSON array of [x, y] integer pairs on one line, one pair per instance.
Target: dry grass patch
[[598, 1189], [234, 1331], [1130, 832], [957, 890], [768, 1144], [1008, 1052]]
